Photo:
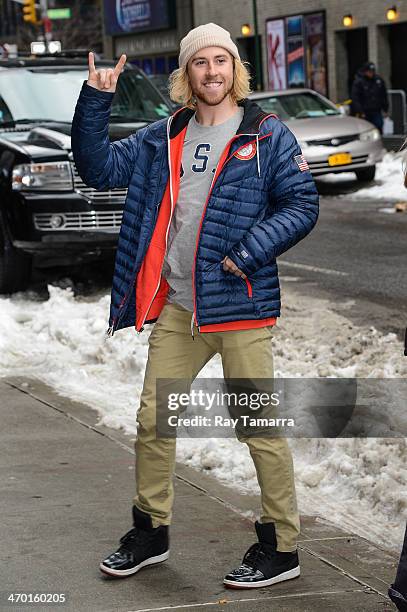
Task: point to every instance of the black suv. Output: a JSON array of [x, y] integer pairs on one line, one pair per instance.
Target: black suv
[[48, 216]]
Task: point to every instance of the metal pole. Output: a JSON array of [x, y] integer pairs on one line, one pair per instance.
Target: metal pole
[[44, 17], [259, 76]]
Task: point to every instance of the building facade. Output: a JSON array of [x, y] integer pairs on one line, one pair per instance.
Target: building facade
[[8, 20], [308, 43], [319, 43], [148, 32]]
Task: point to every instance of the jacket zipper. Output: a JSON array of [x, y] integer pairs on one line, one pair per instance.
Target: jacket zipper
[[142, 328], [169, 223], [172, 207], [215, 177], [111, 330]]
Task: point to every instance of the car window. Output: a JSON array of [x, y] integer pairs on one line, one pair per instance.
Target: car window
[[52, 95], [136, 98], [297, 106], [5, 114], [273, 105]]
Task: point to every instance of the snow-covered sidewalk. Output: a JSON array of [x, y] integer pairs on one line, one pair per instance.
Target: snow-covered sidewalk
[[359, 483]]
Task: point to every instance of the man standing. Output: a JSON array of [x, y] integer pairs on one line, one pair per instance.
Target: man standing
[[369, 96], [215, 193]]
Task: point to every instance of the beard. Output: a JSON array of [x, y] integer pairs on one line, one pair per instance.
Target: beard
[[213, 99]]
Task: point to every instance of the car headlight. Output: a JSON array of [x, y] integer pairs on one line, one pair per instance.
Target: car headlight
[[47, 176], [373, 134]]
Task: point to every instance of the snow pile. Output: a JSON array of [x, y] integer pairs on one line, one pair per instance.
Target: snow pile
[[388, 183], [361, 484]]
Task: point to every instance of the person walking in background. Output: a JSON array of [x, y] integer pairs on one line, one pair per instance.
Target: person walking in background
[[216, 192], [369, 96]]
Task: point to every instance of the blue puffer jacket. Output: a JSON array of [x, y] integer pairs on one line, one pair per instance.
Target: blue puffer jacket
[[262, 202]]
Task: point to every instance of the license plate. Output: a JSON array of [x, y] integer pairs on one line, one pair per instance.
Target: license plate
[[340, 159]]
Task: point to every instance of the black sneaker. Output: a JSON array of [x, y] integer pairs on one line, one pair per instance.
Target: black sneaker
[[398, 598], [263, 564], [143, 545]]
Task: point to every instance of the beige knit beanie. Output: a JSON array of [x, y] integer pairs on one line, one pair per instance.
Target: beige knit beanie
[[208, 35]]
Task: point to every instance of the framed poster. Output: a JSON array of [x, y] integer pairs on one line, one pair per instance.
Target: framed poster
[[295, 52], [316, 53], [276, 64], [294, 26]]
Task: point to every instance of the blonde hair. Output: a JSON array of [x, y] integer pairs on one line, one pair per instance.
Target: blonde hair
[[181, 92]]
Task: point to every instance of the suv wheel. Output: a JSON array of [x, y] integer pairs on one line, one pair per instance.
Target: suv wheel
[[366, 175], [15, 267]]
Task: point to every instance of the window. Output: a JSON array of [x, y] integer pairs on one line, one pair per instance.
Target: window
[[297, 106], [51, 94]]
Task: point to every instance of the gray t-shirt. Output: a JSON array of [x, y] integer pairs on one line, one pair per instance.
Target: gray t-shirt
[[203, 147]]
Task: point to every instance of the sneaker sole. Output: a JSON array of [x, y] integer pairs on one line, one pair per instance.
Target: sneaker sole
[[293, 573], [134, 570]]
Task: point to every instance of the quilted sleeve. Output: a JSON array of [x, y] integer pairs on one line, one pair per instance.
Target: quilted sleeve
[[101, 164], [294, 206]]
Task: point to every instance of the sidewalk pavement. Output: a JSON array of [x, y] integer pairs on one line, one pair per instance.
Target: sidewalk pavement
[[67, 486]]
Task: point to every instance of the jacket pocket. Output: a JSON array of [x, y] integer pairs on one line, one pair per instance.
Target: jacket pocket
[[249, 287], [232, 278]]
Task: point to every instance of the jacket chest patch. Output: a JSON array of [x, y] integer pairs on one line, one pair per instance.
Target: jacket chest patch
[[246, 152]]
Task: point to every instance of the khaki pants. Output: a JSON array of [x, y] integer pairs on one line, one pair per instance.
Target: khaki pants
[[245, 354]]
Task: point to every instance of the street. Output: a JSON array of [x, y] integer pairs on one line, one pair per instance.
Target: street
[[356, 252]]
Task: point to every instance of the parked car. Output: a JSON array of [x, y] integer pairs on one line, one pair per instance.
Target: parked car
[[161, 82], [331, 141], [48, 216]]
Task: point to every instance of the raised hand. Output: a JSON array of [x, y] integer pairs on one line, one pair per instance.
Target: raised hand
[[104, 79]]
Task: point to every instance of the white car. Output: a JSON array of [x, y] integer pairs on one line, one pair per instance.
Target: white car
[[330, 140]]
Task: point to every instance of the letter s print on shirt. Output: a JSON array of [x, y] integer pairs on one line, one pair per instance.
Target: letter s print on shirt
[[201, 157]]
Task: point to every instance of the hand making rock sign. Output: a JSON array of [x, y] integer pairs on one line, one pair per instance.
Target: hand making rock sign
[[104, 79]]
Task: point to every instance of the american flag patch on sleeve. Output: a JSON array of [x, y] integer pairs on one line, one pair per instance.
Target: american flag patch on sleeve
[[301, 162]]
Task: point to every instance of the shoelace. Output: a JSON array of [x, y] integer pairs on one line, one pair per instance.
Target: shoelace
[[257, 552], [132, 537]]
